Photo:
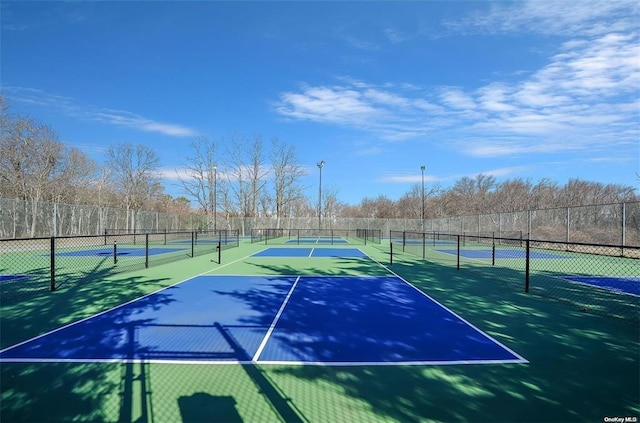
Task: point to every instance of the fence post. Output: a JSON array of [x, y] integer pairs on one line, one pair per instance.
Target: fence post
[[493, 249], [527, 267], [52, 263], [458, 255], [624, 230]]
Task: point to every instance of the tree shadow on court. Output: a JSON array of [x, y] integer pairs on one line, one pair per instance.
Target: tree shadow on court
[[48, 392], [58, 391], [581, 366]]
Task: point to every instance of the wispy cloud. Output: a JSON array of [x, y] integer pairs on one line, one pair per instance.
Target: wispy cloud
[[75, 108], [124, 118], [391, 115], [408, 178], [550, 17], [585, 98]]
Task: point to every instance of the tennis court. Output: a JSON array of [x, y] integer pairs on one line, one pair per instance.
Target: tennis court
[[311, 252], [627, 285], [312, 320], [308, 333], [317, 240]]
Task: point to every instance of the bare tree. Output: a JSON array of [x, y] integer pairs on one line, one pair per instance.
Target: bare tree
[[287, 173], [247, 174], [331, 206], [30, 154], [202, 174], [134, 172]]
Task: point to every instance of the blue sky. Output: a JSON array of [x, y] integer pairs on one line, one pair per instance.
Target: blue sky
[[524, 89]]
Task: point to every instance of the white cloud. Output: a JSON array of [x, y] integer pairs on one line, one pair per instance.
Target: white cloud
[[456, 98], [391, 115], [123, 118], [551, 17], [405, 179], [585, 98], [75, 108]]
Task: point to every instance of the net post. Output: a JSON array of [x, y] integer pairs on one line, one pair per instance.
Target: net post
[[219, 247], [527, 266], [52, 263], [424, 246], [115, 252], [493, 249], [146, 251], [390, 252], [458, 255], [193, 241]]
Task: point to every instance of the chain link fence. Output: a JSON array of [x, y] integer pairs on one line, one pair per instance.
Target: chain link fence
[[612, 224], [29, 266], [596, 278]]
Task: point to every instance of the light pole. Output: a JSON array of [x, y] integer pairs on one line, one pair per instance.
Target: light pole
[[320, 165], [215, 197], [422, 169]]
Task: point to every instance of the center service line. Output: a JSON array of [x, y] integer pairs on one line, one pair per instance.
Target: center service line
[[275, 321]]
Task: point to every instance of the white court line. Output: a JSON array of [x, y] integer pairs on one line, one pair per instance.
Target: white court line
[[275, 321]]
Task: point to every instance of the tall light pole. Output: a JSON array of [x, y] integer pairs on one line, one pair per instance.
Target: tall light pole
[[320, 165], [422, 169], [215, 197]]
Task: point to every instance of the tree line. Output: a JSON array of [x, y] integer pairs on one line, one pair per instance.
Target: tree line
[[245, 176], [483, 194]]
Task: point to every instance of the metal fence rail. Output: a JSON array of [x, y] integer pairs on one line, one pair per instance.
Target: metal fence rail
[[33, 265], [596, 278]]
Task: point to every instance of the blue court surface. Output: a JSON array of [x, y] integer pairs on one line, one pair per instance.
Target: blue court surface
[[211, 241], [320, 320], [6, 278], [121, 251], [418, 241], [500, 253], [311, 252], [314, 240], [621, 284]]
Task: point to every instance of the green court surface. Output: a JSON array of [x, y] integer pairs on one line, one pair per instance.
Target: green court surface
[[580, 366]]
